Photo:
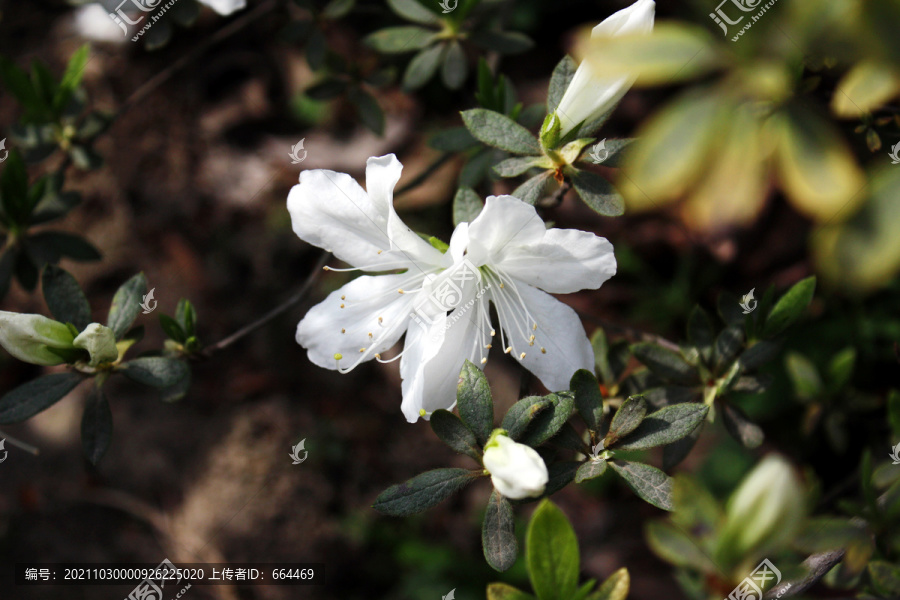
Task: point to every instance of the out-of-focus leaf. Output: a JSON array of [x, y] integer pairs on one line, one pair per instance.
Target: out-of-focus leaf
[[455, 67], [414, 11], [316, 49], [38, 394], [789, 307], [466, 205], [535, 188], [867, 86], [817, 170], [395, 40], [615, 587], [559, 81], [672, 53], [423, 66], [674, 546], [326, 89], [60, 244], [64, 297], [455, 139], [369, 111], [96, 427], [672, 149], [885, 577], [740, 427], [677, 451], [156, 371], [503, 591], [336, 9], [552, 555], [504, 42]]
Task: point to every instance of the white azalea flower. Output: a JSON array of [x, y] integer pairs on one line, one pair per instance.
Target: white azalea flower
[[517, 471], [32, 338], [505, 256], [225, 7], [516, 257], [588, 96], [368, 315]]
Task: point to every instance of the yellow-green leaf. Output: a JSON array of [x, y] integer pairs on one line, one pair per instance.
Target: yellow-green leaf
[[865, 88]]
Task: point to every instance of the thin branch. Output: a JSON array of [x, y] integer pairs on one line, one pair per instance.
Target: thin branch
[[275, 312], [424, 175], [20, 444], [817, 564]]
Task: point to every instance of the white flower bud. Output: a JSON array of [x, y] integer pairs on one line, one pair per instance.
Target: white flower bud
[[99, 341], [31, 338], [517, 471], [588, 96]]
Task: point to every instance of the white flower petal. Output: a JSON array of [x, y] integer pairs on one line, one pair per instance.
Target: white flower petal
[[560, 346], [225, 7], [504, 222], [563, 261], [327, 329], [31, 338]]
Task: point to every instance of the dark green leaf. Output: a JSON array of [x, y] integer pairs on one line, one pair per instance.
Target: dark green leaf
[[674, 545], [598, 193], [451, 430], [455, 139], [729, 308], [551, 550], [369, 111], [413, 11], [804, 376], [626, 419], [126, 304], [466, 206], [561, 474], [789, 307], [590, 469], [455, 67], [498, 534], [522, 413], [71, 79], [588, 399], [885, 577], [559, 81], [328, 88], [96, 427], [500, 131], [677, 451], [548, 422], [513, 167], [728, 344], [18, 84], [668, 424], [473, 398], [422, 491], [700, 332], [616, 149], [172, 329], [504, 42], [740, 427], [66, 301], [649, 483], [38, 394], [665, 364], [840, 369], [422, 67], [316, 49], [395, 40], [186, 316], [156, 371], [65, 244], [759, 354], [535, 188], [336, 9]]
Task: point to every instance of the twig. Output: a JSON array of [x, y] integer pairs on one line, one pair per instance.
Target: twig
[[20, 444], [424, 175], [556, 198], [275, 312], [631, 331], [818, 565], [224, 33]]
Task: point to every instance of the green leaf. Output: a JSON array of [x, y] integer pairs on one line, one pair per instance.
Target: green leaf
[[455, 139], [840, 369], [503, 591], [549, 134], [156, 371], [513, 167], [500, 131], [413, 11], [728, 344], [674, 546], [588, 399], [522, 413], [821, 534], [369, 111], [626, 419], [598, 193], [64, 297], [96, 427], [18, 84], [498, 534], [548, 422], [455, 67], [504, 42], [559, 81], [52, 245], [395, 40], [616, 149], [590, 469], [186, 316], [789, 307], [466, 206], [614, 588], [700, 331], [534, 189], [326, 89], [552, 553], [867, 86], [455, 434], [422, 491], [665, 364], [71, 79], [126, 304], [422, 67], [172, 329], [740, 427], [316, 49], [649, 483], [336, 9], [473, 398], [804, 376], [885, 577], [668, 424], [758, 354], [38, 394]]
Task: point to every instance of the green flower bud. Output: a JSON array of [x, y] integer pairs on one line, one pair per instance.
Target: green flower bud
[[550, 132], [33, 338], [100, 342]]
